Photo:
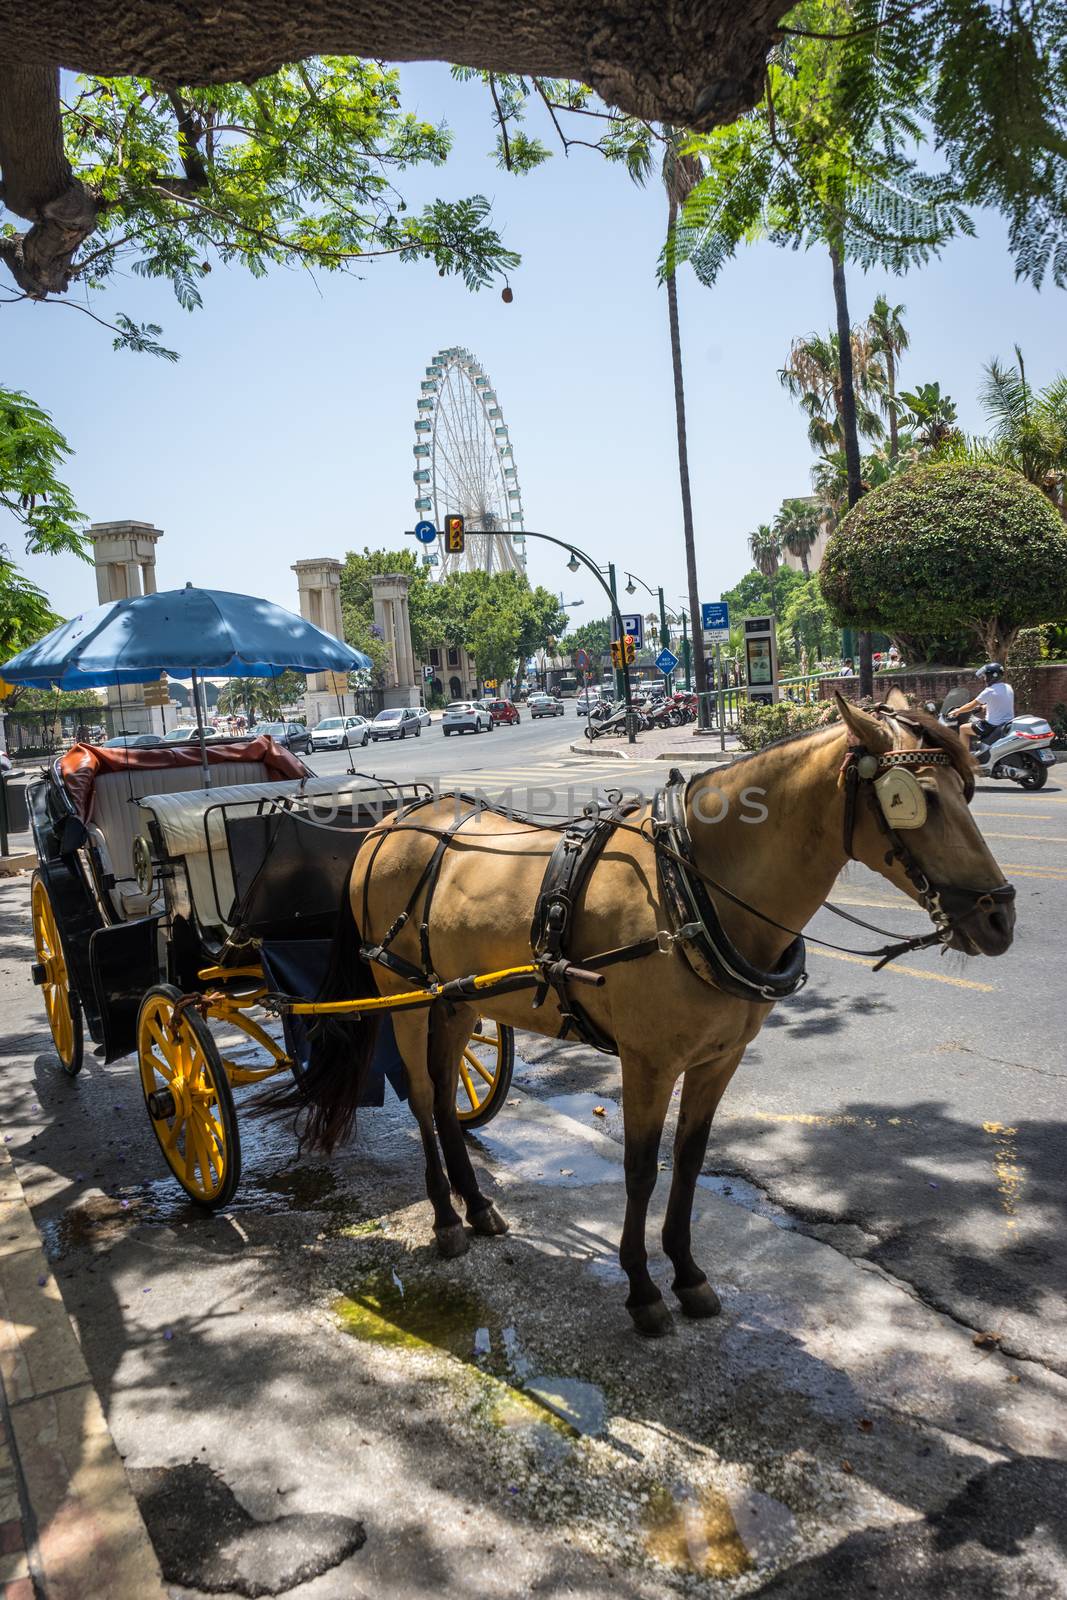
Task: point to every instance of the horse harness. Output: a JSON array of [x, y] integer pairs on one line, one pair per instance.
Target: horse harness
[[885, 778]]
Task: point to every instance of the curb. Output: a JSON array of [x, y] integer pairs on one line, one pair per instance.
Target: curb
[[590, 749], [699, 758], [11, 866], [67, 1512]]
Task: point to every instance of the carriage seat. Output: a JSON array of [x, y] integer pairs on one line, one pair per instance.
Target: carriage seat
[[106, 784], [192, 827]]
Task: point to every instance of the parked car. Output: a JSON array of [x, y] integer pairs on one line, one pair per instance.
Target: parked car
[[396, 722], [340, 733], [293, 735], [546, 705], [425, 720], [503, 711], [466, 716], [133, 741], [6, 763], [588, 700], [188, 735]]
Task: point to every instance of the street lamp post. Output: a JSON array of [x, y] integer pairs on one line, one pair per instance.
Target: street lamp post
[[664, 631]]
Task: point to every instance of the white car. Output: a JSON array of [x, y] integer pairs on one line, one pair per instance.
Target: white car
[[340, 733], [546, 705], [466, 716], [425, 720], [588, 700]]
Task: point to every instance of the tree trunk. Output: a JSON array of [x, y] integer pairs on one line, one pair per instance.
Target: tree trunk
[[38, 183], [850, 434], [804, 563], [693, 586], [891, 379]]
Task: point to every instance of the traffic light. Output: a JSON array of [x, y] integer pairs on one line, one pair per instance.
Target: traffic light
[[454, 535], [630, 649], [616, 653]]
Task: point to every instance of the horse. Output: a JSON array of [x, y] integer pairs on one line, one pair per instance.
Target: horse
[[765, 839]]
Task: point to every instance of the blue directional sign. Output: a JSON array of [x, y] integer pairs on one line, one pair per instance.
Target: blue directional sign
[[634, 625], [666, 661], [715, 619], [425, 532]]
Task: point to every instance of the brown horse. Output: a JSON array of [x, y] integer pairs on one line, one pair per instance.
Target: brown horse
[[775, 829]]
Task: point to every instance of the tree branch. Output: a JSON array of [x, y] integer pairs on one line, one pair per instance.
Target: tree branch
[[38, 183], [503, 124]]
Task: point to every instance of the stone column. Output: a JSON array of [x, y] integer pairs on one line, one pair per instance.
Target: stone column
[[319, 594], [390, 592], [124, 554]]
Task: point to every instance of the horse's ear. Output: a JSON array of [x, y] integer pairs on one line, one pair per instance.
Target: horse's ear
[[897, 700], [868, 729]]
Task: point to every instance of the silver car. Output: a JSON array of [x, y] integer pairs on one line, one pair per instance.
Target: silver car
[[466, 716], [545, 705]]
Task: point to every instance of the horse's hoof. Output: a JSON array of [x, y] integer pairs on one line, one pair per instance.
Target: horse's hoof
[[452, 1241], [652, 1321], [699, 1300], [489, 1222]]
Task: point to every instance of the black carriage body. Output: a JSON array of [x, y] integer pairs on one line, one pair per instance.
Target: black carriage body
[[111, 964]]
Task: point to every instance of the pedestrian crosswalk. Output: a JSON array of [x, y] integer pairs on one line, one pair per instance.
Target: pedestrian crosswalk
[[560, 786]]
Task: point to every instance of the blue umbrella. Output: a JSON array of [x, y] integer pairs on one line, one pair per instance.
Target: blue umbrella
[[185, 633], [181, 632]]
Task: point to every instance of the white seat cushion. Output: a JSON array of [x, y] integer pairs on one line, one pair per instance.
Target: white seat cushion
[[115, 813]]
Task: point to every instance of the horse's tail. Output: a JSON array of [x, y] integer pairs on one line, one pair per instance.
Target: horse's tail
[[341, 1050]]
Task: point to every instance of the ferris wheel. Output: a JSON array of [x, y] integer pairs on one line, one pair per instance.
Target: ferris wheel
[[464, 462]]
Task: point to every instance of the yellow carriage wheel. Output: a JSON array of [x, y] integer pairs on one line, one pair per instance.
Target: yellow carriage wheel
[[62, 1007], [188, 1097], [485, 1069]]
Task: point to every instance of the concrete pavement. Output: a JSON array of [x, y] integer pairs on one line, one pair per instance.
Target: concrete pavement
[[881, 1405]]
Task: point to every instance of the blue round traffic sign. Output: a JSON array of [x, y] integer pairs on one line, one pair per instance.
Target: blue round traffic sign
[[425, 532]]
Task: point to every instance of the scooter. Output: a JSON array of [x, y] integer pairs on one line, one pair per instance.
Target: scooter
[[1019, 750]]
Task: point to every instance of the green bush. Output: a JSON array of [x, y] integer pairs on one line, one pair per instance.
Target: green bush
[[761, 725], [947, 546]]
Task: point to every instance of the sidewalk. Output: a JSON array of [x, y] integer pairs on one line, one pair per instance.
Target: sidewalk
[[681, 745], [69, 1525]]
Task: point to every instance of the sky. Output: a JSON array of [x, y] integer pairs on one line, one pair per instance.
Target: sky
[[285, 431]]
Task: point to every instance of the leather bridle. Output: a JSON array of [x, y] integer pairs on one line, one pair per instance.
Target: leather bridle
[[946, 904]]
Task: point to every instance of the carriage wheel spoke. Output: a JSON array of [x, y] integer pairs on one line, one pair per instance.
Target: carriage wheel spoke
[[483, 1072], [468, 1085], [484, 1038], [171, 1141]]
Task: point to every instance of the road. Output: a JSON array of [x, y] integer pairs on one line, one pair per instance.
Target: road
[[885, 1184]]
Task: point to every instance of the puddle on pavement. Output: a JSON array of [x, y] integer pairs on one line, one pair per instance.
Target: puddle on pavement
[[746, 1195], [695, 1532], [95, 1221], [407, 1313]]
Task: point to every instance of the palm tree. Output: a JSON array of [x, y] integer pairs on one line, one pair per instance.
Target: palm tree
[[680, 175], [889, 338], [932, 418], [797, 527], [1029, 429], [766, 549], [812, 375]]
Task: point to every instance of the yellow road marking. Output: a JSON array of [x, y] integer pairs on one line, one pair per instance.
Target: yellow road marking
[[903, 904], [1025, 816], [840, 1119], [1038, 838], [1031, 869], [908, 972]]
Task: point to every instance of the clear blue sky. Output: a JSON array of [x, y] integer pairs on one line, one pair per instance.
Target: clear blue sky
[[285, 431]]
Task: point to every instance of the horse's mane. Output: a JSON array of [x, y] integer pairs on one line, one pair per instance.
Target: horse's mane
[[933, 733]]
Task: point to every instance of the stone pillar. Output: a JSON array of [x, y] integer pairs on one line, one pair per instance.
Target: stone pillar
[[319, 593], [390, 592], [124, 554]]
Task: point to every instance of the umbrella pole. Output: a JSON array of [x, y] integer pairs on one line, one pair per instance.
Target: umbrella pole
[[200, 732]]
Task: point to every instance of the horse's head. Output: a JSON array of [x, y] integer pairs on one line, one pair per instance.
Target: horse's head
[[908, 784]]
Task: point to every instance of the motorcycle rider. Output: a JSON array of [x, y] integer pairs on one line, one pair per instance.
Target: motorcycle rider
[[997, 702]]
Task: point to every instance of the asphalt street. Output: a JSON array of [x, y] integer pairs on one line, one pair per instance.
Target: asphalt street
[[881, 1407]]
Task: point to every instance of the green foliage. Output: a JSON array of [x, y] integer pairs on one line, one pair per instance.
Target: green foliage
[[1028, 427], [261, 699], [496, 616], [805, 620], [948, 546], [761, 725], [32, 452], [299, 168], [594, 636], [798, 525], [818, 163]]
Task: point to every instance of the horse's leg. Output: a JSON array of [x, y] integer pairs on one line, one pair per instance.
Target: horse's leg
[[646, 1092], [412, 1040], [448, 1035], [702, 1089]]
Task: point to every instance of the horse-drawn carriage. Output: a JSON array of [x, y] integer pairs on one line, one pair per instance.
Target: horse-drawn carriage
[[167, 914]]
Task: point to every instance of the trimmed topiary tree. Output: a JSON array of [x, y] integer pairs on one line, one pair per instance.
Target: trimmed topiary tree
[[949, 546]]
